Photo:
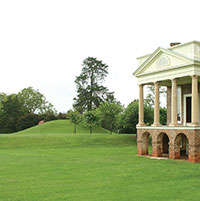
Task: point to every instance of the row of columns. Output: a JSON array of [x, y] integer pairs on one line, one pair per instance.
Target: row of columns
[[195, 104]]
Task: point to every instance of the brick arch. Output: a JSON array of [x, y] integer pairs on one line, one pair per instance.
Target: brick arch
[[163, 144], [181, 146], [145, 143]]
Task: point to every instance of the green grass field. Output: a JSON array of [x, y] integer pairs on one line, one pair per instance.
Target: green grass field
[[47, 162]]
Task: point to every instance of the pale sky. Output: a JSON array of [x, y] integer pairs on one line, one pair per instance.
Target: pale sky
[[43, 42]]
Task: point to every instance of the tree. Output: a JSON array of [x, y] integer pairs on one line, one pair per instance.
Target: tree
[[108, 113], [27, 121], [129, 117], [90, 91], [61, 115], [48, 116], [3, 97], [149, 101], [90, 119], [35, 102], [151, 94], [163, 116], [17, 110], [11, 111], [75, 118]]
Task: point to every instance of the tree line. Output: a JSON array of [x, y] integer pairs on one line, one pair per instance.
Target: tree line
[[95, 105], [25, 109]]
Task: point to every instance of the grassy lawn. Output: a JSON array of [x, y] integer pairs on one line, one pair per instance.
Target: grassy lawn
[[100, 167]]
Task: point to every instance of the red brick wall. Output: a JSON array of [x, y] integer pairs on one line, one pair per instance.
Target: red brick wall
[[193, 137]]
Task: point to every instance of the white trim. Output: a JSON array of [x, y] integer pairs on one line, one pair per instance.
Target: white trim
[[169, 127], [181, 115], [164, 69], [184, 103], [167, 75], [141, 57]]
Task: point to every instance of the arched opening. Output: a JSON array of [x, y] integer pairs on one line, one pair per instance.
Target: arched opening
[[163, 145], [181, 146], [145, 143]]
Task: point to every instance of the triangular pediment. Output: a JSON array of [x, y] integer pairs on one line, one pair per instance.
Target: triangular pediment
[[162, 59]]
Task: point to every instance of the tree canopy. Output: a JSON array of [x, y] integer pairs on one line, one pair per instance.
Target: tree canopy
[[11, 111], [90, 119], [90, 89], [35, 102], [151, 94], [23, 110], [109, 113], [129, 118]]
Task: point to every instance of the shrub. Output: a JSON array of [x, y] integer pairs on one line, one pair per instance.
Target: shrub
[[61, 116], [48, 117], [27, 121]]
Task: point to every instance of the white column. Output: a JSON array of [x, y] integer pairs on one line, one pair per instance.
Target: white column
[[141, 107], [174, 103], [156, 106], [195, 101]]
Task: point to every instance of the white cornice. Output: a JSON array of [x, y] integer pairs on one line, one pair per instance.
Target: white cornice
[[143, 56], [179, 72], [169, 127], [166, 69]]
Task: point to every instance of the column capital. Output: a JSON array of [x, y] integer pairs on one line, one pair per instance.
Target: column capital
[[174, 79], [194, 76], [156, 82], [141, 85]]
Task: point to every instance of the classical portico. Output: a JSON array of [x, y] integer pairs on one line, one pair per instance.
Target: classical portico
[[178, 69]]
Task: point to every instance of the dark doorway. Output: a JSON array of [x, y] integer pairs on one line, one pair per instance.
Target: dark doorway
[[182, 146], [188, 109], [165, 144]]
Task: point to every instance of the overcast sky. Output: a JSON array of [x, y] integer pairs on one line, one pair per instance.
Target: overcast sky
[[43, 42]]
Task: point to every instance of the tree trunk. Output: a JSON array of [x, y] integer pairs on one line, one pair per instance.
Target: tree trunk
[[91, 92], [90, 129]]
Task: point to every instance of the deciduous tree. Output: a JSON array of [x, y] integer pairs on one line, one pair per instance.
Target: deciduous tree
[[149, 101], [11, 111], [75, 118], [35, 102], [108, 113], [27, 121], [129, 118], [90, 119]]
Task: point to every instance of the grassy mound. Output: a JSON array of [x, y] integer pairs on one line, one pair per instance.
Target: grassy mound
[[59, 127]]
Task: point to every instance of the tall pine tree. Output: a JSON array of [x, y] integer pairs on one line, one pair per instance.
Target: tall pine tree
[[90, 89]]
